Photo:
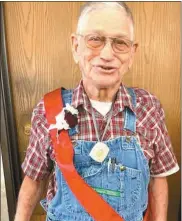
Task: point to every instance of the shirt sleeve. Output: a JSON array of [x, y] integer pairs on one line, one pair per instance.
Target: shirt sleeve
[[164, 162], [37, 163]]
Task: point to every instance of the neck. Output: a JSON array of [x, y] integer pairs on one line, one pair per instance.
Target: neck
[[101, 94]]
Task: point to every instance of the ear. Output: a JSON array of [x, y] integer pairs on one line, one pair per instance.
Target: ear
[[74, 45], [133, 51]]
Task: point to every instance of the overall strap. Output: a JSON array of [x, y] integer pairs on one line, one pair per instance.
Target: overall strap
[[66, 96], [130, 124], [130, 117], [93, 203], [133, 95]]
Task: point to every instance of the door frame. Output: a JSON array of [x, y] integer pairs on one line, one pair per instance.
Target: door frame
[[9, 142]]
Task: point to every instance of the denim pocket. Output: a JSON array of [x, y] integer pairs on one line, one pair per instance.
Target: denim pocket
[[112, 181], [127, 186], [132, 188]]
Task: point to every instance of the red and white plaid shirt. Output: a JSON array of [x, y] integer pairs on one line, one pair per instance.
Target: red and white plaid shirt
[[150, 127]]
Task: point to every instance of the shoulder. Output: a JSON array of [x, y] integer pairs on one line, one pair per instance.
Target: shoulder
[[144, 97], [148, 107], [39, 109], [38, 121]]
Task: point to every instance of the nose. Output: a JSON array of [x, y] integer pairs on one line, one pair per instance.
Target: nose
[[107, 52]]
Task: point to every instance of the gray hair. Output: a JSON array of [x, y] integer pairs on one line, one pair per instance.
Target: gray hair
[[90, 6]]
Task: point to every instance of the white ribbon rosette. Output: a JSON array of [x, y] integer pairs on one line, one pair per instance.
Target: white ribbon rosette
[[61, 122]]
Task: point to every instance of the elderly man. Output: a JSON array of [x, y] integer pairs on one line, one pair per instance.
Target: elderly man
[[118, 144]]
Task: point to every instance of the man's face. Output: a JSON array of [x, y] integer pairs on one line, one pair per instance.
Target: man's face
[[104, 67]]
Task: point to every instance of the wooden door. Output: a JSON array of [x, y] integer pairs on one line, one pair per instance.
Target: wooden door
[[40, 59]]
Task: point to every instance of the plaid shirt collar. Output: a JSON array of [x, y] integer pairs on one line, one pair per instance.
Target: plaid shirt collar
[[123, 99]]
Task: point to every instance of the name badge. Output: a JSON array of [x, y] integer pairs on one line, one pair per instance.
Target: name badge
[[99, 152]]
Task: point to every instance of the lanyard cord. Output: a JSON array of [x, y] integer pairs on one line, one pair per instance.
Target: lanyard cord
[[95, 125]]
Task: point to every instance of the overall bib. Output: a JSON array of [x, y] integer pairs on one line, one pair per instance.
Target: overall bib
[[124, 184]]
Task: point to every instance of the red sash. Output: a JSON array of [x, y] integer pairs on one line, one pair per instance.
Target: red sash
[[93, 203]]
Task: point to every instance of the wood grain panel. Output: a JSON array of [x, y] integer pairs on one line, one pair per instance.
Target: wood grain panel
[[39, 53], [40, 59]]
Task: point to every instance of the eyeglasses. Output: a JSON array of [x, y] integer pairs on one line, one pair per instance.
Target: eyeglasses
[[97, 42]]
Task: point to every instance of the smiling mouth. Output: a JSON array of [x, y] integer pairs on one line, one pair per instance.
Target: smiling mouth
[[105, 68]]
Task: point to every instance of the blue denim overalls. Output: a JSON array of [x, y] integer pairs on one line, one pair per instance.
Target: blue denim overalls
[[124, 184]]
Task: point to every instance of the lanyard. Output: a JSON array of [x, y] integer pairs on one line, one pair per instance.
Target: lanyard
[[106, 127]]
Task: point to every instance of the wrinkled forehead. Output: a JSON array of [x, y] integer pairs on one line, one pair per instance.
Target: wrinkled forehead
[[107, 21]]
